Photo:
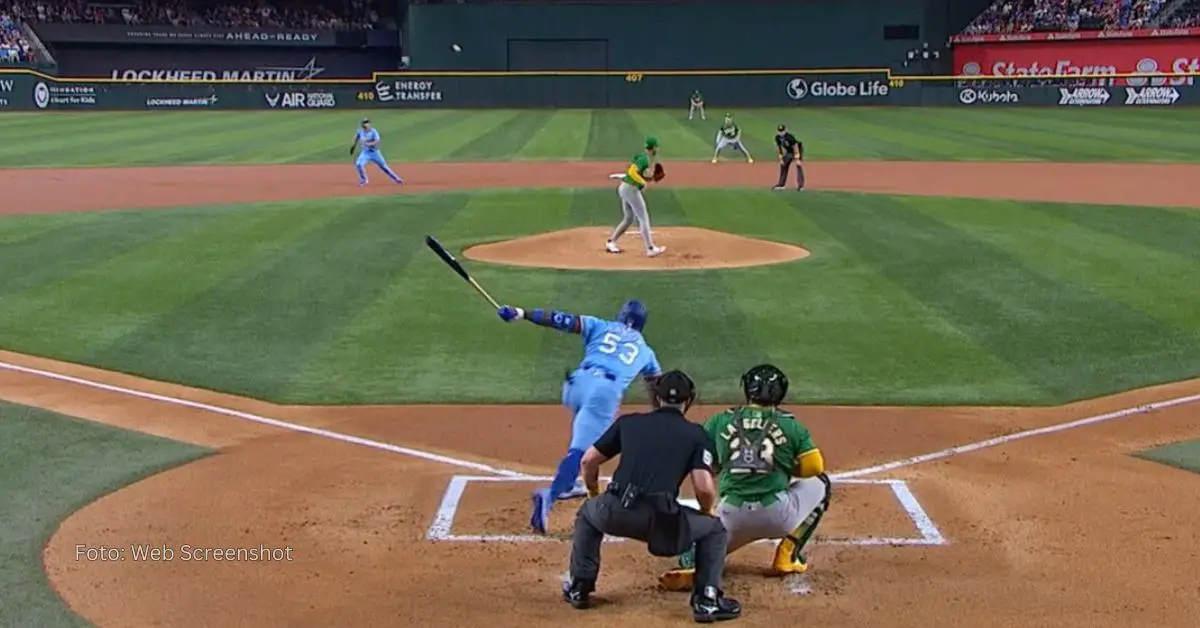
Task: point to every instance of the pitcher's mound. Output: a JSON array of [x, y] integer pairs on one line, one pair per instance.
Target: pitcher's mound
[[688, 248]]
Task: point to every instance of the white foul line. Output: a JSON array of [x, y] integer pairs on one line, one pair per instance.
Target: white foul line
[[1000, 440], [246, 416]]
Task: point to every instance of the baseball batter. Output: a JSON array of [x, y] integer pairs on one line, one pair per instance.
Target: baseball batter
[[697, 103], [760, 449], [633, 205], [614, 354], [730, 136], [368, 137]]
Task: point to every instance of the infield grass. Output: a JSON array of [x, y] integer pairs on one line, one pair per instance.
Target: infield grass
[[905, 300], [836, 133], [50, 466]]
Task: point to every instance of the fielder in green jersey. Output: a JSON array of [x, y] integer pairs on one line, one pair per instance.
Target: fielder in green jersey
[[771, 476], [697, 105], [730, 135], [633, 204]]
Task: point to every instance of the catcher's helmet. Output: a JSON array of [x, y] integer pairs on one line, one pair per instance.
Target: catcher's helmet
[[634, 314], [765, 385]]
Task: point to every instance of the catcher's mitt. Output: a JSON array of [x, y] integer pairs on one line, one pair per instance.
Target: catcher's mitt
[[659, 173]]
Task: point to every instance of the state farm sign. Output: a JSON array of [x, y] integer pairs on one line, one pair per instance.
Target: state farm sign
[[1084, 59]]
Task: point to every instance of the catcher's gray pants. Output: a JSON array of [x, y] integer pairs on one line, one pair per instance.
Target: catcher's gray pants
[[694, 108], [753, 522], [633, 207]]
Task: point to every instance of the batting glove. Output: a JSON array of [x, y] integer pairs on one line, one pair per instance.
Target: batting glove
[[509, 313]]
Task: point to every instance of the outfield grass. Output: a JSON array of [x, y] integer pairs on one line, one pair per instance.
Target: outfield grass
[[50, 466], [1184, 455], [838, 133], [905, 300]]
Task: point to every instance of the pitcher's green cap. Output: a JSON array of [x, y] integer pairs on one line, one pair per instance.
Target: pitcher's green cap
[[651, 142]]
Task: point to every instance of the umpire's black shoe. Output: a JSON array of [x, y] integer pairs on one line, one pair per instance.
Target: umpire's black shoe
[[711, 605], [578, 593]]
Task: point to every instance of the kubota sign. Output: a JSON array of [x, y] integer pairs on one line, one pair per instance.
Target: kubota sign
[[1084, 58]]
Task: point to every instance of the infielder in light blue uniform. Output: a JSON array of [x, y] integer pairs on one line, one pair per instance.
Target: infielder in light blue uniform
[[368, 136], [614, 354]]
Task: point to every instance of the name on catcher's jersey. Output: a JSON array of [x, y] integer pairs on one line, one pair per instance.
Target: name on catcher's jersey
[[620, 349], [757, 448]]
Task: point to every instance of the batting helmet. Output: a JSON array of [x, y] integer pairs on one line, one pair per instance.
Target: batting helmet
[[634, 314], [765, 385]]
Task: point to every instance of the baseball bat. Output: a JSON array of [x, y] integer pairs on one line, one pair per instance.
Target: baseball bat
[[441, 252]]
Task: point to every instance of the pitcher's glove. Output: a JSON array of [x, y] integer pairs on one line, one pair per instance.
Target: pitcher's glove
[[659, 173]]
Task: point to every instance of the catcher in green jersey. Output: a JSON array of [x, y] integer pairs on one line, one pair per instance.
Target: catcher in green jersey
[[697, 106], [730, 135], [771, 477]]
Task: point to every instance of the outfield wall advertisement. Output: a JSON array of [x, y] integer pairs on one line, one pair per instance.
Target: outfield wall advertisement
[[34, 92], [1084, 58]]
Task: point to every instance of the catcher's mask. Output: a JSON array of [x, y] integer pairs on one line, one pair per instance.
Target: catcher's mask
[[765, 385], [634, 314]]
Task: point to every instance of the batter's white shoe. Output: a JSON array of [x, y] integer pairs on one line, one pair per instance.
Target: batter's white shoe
[[655, 251], [611, 247]]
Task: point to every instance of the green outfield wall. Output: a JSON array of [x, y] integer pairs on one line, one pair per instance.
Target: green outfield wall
[[23, 90], [670, 35]]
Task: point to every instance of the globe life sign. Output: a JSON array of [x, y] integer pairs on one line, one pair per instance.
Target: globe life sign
[[803, 89]]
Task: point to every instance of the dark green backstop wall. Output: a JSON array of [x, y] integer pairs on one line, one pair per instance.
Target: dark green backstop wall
[[663, 35]]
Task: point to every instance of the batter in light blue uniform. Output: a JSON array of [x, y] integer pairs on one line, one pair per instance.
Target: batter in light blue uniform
[[614, 354], [368, 136]]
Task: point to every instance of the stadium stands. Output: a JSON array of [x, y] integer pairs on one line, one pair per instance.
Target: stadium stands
[[13, 46], [296, 14], [1187, 15], [1025, 16]]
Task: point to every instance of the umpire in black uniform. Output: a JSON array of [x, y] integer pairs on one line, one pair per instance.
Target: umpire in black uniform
[[658, 451], [789, 149]]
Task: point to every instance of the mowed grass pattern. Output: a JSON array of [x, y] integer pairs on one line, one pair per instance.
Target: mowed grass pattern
[[917, 133], [905, 300]]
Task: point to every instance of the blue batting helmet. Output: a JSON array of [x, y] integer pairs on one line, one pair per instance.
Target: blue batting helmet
[[634, 314]]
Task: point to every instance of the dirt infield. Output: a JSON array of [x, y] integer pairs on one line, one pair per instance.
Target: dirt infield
[[687, 248], [1059, 529]]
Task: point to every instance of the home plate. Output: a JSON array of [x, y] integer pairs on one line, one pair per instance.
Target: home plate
[[799, 584]]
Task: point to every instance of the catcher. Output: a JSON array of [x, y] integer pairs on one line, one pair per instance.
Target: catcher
[[730, 135], [760, 449], [633, 205]]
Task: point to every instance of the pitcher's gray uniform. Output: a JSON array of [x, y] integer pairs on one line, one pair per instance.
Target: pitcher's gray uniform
[[633, 204]]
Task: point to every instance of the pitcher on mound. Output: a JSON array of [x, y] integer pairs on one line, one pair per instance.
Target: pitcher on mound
[[771, 477], [633, 204]]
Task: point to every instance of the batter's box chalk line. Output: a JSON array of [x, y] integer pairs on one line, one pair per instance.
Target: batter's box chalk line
[[442, 528]]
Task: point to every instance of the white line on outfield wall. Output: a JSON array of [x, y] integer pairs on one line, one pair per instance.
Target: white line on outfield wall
[[1000, 440], [476, 466], [246, 416]]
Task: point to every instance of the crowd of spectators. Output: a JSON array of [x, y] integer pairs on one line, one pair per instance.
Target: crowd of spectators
[[293, 14], [14, 48], [1026, 16], [1188, 16]]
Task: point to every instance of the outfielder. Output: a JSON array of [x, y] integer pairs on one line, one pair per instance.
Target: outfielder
[[730, 135], [697, 105], [760, 449], [614, 354], [369, 137], [633, 205]]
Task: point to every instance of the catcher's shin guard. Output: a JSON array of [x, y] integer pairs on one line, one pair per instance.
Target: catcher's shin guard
[[789, 557]]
